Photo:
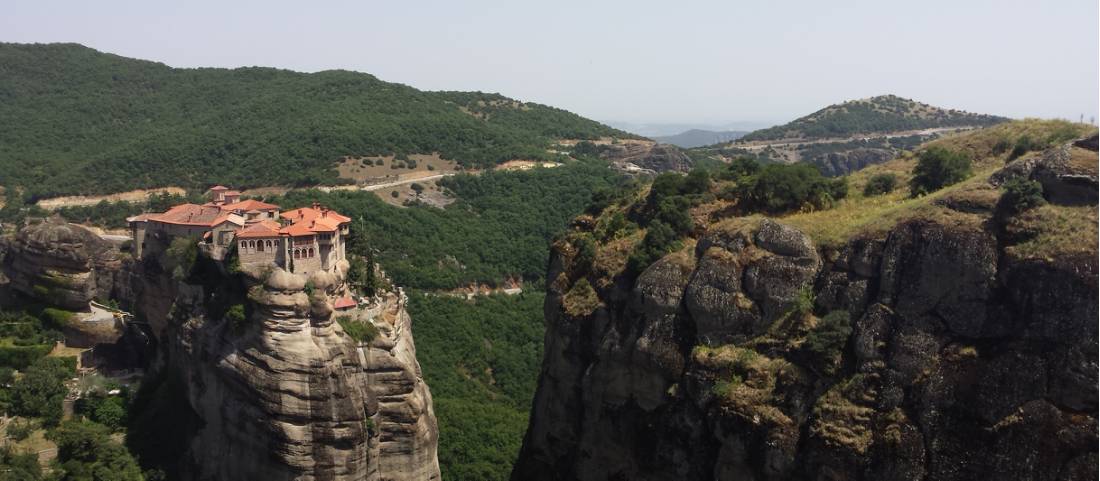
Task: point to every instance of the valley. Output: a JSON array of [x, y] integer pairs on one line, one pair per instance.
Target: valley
[[882, 289]]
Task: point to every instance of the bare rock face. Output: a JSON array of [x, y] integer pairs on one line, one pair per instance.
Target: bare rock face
[[835, 164], [286, 394], [647, 158], [61, 264], [961, 363]]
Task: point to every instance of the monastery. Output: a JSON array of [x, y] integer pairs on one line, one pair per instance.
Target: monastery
[[301, 241]]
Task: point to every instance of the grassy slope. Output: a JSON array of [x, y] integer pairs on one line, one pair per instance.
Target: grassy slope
[[80, 121], [859, 215]]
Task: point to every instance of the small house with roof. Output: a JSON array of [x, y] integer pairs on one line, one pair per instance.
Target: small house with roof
[[302, 240]]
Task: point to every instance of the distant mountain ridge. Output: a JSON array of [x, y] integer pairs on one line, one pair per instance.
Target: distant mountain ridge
[[881, 114], [700, 138], [79, 121]]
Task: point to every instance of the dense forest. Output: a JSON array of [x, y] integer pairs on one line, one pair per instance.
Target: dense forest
[[886, 113], [499, 227], [481, 358], [76, 120]]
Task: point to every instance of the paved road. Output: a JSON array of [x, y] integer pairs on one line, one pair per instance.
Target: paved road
[[384, 185]]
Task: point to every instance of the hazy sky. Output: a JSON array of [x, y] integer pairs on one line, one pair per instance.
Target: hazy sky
[[637, 61]]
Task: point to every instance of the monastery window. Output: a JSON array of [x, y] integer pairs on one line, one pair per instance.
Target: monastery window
[[297, 253], [269, 246], [243, 244], [261, 246], [311, 252]]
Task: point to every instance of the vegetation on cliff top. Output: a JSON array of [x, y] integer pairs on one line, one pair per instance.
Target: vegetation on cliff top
[[76, 120]]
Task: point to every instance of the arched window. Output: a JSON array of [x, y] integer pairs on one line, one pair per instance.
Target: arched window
[[311, 252], [269, 246], [260, 247], [251, 244], [243, 244], [297, 254]]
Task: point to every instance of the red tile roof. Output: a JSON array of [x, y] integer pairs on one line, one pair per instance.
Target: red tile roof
[[198, 215], [344, 303], [250, 204], [311, 213], [266, 228], [218, 188]]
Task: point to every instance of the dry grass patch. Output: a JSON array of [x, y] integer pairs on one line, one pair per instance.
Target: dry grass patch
[[1083, 161], [840, 418], [751, 382], [876, 215], [1053, 230]]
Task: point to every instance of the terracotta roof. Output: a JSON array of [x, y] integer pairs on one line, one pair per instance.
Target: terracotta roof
[[250, 204], [311, 213], [344, 302], [191, 214], [232, 193], [266, 228], [297, 230], [139, 218], [218, 188]]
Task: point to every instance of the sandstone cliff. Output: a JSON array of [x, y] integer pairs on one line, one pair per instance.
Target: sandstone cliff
[[954, 344], [270, 385], [287, 395]]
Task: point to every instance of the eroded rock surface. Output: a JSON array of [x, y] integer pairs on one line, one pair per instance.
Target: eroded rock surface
[[962, 363], [287, 395]]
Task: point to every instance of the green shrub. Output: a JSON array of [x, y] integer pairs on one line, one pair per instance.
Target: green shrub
[[880, 184], [937, 168], [180, 257], [19, 430], [660, 239], [826, 341], [361, 331], [237, 317], [1023, 145], [779, 188], [57, 318], [1022, 194], [804, 302]]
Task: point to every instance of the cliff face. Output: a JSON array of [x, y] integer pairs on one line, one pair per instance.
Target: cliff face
[[932, 351], [62, 264], [281, 392], [285, 393]]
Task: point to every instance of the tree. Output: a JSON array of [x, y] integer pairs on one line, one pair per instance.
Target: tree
[[937, 168], [87, 453], [880, 184], [779, 188], [41, 391]]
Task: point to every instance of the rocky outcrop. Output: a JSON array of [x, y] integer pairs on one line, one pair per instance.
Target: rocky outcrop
[[61, 264], [835, 164], [646, 158], [1068, 173], [951, 361], [273, 387], [285, 393]]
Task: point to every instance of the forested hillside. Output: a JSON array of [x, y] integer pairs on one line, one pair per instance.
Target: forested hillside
[[885, 113], [75, 120]]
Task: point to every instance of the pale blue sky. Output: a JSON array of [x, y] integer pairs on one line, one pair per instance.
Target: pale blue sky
[[637, 61]]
